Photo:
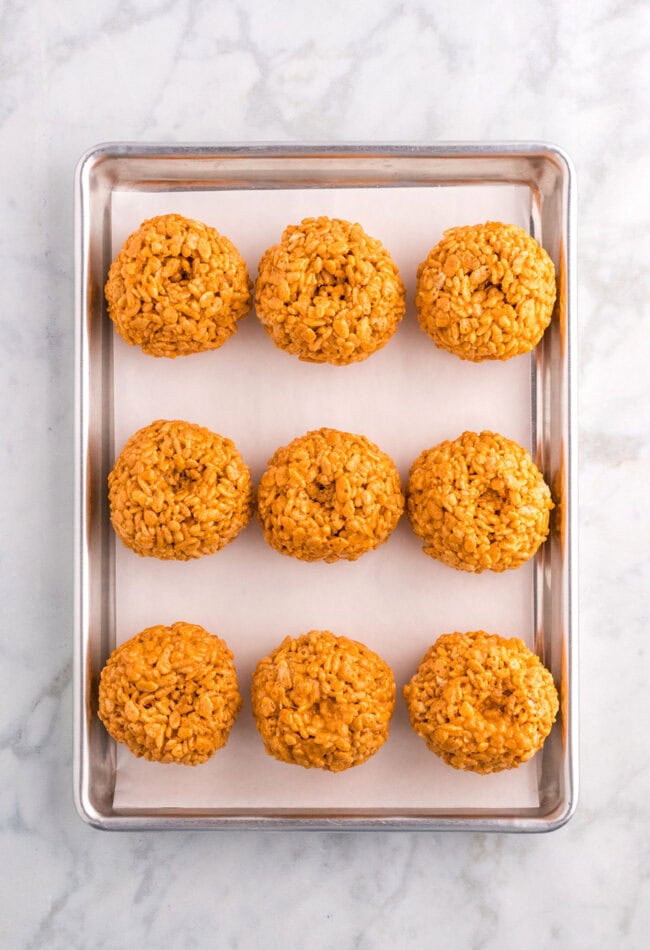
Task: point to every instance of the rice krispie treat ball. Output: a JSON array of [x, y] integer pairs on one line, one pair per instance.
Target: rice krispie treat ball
[[328, 292], [177, 287], [481, 702], [179, 491], [170, 694], [478, 503], [323, 701], [486, 292], [328, 496]]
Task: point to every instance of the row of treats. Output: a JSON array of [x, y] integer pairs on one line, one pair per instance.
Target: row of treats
[[180, 491], [328, 293], [481, 702]]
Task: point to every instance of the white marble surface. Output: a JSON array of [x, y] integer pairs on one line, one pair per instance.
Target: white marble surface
[[73, 74]]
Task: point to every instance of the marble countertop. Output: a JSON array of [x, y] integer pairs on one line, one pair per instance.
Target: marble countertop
[[75, 74]]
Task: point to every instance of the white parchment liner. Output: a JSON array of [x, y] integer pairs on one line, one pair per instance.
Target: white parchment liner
[[407, 397]]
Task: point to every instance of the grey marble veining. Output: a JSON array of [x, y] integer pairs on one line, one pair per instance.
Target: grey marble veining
[[73, 74]]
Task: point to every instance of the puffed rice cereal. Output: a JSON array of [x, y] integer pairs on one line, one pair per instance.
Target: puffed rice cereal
[[486, 292], [478, 503], [482, 702], [329, 495], [323, 701], [179, 491], [177, 287], [170, 694], [328, 292]]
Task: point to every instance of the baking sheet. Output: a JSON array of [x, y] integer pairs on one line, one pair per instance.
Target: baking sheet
[[407, 397]]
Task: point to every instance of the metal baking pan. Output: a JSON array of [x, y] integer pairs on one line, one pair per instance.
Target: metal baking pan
[[543, 169]]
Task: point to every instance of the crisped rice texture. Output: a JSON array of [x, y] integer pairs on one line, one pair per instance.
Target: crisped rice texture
[[177, 287], [170, 694], [179, 491], [328, 292], [481, 702], [323, 701], [478, 503], [486, 292], [329, 495]]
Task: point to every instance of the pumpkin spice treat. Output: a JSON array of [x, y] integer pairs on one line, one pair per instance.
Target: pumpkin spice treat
[[177, 287], [323, 701], [481, 702], [178, 491], [328, 292], [170, 694], [329, 495], [478, 503], [486, 292]]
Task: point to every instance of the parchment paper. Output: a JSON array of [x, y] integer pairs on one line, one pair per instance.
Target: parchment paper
[[407, 397]]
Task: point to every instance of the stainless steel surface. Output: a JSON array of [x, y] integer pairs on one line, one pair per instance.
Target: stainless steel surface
[[547, 171]]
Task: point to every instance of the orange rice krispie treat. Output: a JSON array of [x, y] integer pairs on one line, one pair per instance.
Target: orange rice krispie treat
[[478, 503], [328, 496], [170, 694], [486, 292], [323, 701], [179, 491], [481, 702], [328, 292], [177, 287]]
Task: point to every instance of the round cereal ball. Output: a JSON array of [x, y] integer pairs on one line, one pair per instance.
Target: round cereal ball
[[170, 694], [179, 491], [328, 292], [486, 292], [177, 287], [478, 503], [481, 702], [328, 496], [323, 701]]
